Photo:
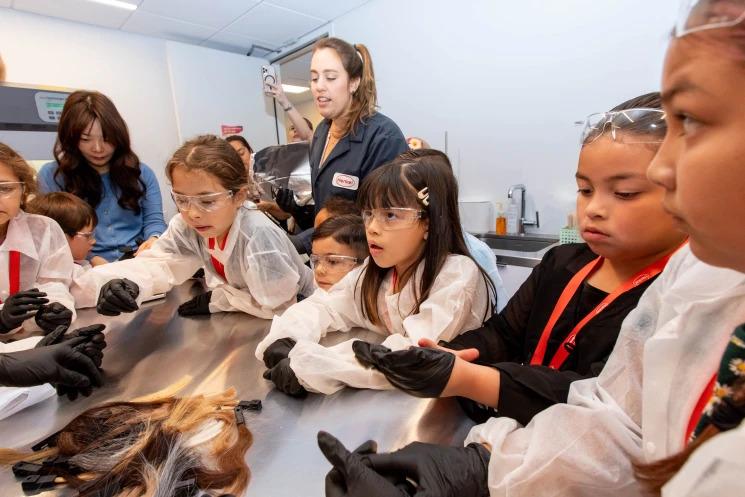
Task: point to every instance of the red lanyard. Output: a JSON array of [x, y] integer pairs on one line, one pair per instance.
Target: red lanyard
[[215, 263], [698, 410], [14, 272], [567, 346], [394, 280]]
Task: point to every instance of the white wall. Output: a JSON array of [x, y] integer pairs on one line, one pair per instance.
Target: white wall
[[133, 71], [212, 88], [507, 80]]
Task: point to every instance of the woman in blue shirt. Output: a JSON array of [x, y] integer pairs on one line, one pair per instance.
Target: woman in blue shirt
[[94, 161]]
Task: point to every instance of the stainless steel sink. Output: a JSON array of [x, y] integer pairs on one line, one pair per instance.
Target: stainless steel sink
[[527, 243], [518, 250]]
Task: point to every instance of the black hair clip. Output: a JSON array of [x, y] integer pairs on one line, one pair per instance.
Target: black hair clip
[[36, 483], [23, 469], [245, 405], [47, 443]]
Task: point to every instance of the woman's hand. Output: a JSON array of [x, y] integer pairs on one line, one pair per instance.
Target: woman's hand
[[146, 245], [278, 93], [97, 260]]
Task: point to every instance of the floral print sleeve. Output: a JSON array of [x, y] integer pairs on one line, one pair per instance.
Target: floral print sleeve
[[731, 369]]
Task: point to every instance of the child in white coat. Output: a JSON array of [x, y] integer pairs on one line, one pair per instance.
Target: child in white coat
[[36, 263], [419, 282], [249, 262]]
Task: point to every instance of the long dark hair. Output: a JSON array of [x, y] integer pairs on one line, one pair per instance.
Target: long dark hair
[[396, 184], [80, 178], [357, 61]]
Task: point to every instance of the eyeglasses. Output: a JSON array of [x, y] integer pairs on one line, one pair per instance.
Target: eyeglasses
[[88, 235], [334, 263], [698, 15], [208, 202], [8, 188], [392, 218], [640, 125]]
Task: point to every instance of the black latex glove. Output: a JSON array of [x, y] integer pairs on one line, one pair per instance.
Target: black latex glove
[[118, 296], [61, 364], [285, 199], [420, 371], [92, 347], [351, 476], [20, 307], [438, 471], [50, 316], [284, 379], [197, 306], [277, 351]]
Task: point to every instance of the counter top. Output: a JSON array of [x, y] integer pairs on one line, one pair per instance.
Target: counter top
[[154, 348]]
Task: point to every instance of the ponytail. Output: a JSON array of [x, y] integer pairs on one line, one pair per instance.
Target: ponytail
[[357, 62]]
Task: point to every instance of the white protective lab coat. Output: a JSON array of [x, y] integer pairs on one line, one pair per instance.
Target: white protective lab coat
[[640, 405], [715, 469], [457, 303], [46, 260], [264, 271]]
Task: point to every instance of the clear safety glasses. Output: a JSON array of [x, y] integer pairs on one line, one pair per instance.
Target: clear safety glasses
[[9, 188], [639, 125], [393, 218], [334, 263], [88, 235], [208, 202], [698, 15]]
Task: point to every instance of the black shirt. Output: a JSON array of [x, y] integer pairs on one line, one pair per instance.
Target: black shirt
[[507, 340]]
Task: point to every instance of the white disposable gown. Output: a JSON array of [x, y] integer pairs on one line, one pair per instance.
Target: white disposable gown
[[639, 407], [457, 303], [715, 469], [264, 271], [46, 260]]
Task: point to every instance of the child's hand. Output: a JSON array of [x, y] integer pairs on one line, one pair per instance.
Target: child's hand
[[50, 316], [20, 307], [469, 355], [422, 372]]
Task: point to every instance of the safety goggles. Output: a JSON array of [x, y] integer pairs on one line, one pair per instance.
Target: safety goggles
[[640, 125], [8, 188], [88, 235], [208, 202], [698, 15], [392, 218], [334, 263]]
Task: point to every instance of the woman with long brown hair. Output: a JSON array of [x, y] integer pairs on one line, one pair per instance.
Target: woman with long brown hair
[[354, 138], [94, 160]]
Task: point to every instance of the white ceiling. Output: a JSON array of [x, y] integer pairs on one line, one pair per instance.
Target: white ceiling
[[231, 25]]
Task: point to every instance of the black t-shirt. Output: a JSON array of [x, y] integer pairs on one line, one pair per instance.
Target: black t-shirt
[[507, 340]]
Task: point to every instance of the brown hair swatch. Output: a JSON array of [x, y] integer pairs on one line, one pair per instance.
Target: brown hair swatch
[[148, 448]]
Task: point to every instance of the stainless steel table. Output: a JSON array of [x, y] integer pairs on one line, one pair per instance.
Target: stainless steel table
[[154, 348]]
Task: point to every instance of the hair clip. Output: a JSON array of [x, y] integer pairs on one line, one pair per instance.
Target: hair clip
[[35, 483], [23, 469], [245, 405], [49, 442], [423, 196]]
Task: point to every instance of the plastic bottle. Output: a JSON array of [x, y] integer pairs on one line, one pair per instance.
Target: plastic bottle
[[512, 213], [501, 225]]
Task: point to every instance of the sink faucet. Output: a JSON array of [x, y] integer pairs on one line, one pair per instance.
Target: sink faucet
[[521, 221]]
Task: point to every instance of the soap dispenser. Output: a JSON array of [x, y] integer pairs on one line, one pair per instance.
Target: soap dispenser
[[501, 225], [512, 215]]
